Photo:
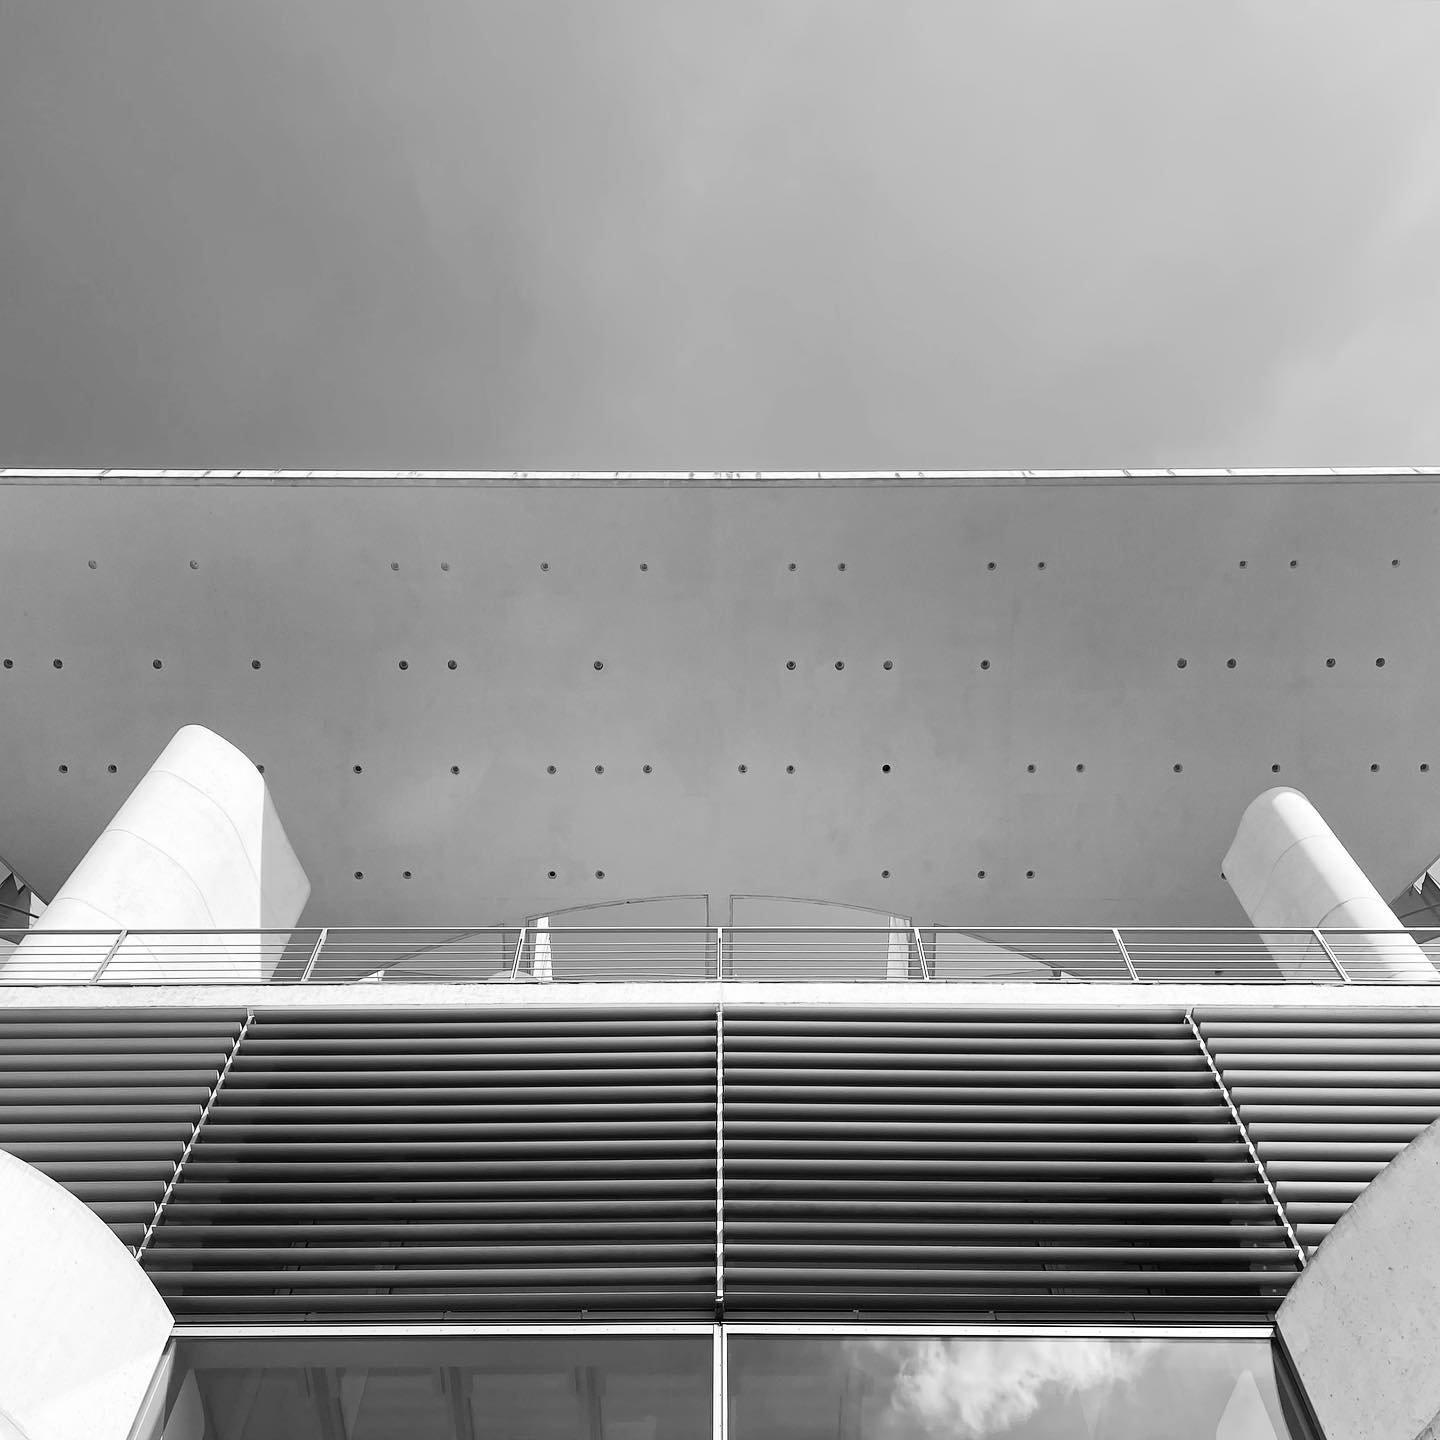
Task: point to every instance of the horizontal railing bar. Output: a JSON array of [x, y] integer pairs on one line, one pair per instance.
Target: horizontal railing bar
[[1019, 930], [559, 954], [975, 930]]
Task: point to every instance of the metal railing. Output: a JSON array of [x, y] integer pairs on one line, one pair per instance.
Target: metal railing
[[541, 954]]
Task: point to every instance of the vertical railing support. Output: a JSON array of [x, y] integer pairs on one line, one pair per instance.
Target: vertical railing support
[[1245, 1136], [1331, 956], [314, 954], [1125, 956], [720, 952], [109, 956], [924, 963], [519, 951]]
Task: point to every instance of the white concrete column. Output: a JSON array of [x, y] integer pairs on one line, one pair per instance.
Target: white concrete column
[[1289, 871], [1362, 1323], [197, 846], [541, 966], [81, 1326], [897, 953]]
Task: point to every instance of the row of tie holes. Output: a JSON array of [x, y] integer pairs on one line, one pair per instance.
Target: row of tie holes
[[789, 665], [600, 874], [1180, 664], [545, 564], [745, 769], [455, 664]]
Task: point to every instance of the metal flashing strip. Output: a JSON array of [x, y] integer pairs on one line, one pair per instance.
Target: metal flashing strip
[[1103, 1330], [698, 479], [186, 1332], [1245, 1134], [877, 995], [190, 1144], [402, 1330]]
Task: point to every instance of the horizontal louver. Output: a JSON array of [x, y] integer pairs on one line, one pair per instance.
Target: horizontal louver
[[452, 1164], [552, 1163], [987, 1163], [1329, 1097], [104, 1101]]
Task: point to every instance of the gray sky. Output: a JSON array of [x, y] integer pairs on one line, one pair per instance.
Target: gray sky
[[647, 234]]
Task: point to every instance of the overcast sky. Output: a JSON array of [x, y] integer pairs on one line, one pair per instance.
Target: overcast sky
[[740, 234]]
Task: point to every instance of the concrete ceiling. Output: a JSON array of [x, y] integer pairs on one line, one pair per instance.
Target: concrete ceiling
[[1032, 620]]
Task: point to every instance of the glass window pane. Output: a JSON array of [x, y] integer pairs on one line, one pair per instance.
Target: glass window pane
[[546, 1387], [1052, 1388]]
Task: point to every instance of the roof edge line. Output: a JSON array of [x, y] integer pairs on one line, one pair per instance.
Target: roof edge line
[[777, 479]]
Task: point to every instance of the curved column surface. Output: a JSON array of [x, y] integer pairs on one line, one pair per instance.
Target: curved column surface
[[1362, 1323], [1290, 872], [197, 846], [81, 1327]]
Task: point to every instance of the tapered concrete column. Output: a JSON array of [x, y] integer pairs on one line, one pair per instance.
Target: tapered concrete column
[[897, 953], [197, 846], [1362, 1323], [541, 966], [1289, 871], [81, 1326]]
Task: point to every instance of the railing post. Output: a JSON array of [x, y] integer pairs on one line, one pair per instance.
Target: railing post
[[109, 956], [1332, 957], [924, 964], [719, 952], [314, 955], [519, 951], [1125, 956]]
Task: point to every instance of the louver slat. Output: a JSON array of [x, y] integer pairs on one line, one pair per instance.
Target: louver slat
[[1330, 1097], [104, 1101], [987, 1164], [484, 1164]]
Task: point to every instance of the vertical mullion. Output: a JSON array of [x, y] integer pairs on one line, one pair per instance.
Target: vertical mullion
[[1245, 1136], [719, 1160], [719, 1385]]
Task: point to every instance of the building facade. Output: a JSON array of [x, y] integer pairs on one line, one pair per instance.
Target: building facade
[[930, 956]]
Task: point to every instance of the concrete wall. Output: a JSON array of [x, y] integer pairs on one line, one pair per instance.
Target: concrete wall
[[197, 846], [1289, 871], [81, 1327], [1362, 1324]]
